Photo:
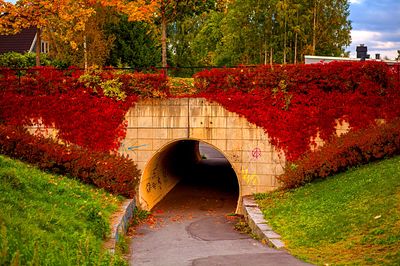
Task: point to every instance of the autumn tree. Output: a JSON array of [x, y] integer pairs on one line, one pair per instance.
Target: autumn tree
[[88, 47], [71, 16], [42, 14], [25, 14]]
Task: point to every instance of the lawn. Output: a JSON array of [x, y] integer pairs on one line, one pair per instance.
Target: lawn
[[351, 218], [52, 220]]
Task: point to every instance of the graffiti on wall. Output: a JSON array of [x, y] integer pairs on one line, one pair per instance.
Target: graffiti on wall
[[132, 148], [256, 153], [251, 179], [125, 148], [248, 178], [155, 182]]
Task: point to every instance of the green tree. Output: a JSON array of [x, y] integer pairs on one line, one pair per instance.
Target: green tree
[[135, 44], [249, 33], [172, 11], [207, 38], [331, 29], [276, 31]]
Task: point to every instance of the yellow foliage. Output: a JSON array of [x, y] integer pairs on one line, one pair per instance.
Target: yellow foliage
[[42, 13]]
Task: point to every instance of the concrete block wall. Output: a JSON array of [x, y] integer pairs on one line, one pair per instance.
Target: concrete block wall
[[155, 123], [246, 146]]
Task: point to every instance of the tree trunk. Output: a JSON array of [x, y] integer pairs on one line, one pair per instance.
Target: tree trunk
[[164, 42], [295, 48], [38, 46], [314, 28], [284, 44], [271, 59], [265, 52], [85, 57], [285, 35]]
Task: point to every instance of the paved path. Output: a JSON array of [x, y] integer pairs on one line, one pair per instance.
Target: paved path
[[191, 227]]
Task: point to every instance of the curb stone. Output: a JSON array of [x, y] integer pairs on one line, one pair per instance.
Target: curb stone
[[120, 223], [258, 224]]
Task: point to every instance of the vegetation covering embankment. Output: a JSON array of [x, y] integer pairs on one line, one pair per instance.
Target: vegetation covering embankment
[[114, 173], [88, 109], [329, 212], [295, 104], [52, 220], [351, 218], [355, 148]]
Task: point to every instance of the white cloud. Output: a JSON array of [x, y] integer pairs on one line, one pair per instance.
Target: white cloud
[[377, 43], [356, 1], [363, 36], [386, 45]]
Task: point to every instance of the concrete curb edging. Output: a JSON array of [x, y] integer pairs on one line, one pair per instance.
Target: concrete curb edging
[[258, 224], [120, 224]]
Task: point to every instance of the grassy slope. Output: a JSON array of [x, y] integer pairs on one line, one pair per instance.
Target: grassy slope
[[351, 218], [51, 220]]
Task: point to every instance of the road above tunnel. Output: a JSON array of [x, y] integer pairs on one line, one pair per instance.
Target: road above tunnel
[[192, 226]]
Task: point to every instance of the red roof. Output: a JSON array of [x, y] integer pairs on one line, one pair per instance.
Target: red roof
[[20, 42]]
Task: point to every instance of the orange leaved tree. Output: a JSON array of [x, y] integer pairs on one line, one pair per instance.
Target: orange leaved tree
[[70, 15]]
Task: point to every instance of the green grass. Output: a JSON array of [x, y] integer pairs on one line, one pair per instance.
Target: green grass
[[51, 220], [351, 218]]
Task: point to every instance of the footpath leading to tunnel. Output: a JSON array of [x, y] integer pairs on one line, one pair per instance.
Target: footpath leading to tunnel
[[192, 226]]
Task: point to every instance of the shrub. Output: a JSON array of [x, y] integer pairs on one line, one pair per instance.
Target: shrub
[[145, 85], [334, 76], [340, 153], [39, 80], [18, 60], [114, 173]]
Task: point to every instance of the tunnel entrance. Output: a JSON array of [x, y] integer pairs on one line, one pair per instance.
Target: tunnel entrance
[[195, 172]]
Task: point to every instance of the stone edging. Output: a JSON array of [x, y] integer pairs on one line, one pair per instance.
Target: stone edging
[[120, 223], [258, 224]]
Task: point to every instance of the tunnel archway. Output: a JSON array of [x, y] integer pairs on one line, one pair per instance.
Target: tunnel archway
[[189, 161]]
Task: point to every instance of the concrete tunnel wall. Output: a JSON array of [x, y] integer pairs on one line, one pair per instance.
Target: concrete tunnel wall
[[154, 125], [165, 169]]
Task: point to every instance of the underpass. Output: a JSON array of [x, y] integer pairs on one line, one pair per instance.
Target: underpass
[[194, 223], [164, 135]]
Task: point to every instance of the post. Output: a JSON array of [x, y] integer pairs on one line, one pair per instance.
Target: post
[[38, 46]]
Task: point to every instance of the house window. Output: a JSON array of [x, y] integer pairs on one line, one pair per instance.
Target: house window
[[44, 47]]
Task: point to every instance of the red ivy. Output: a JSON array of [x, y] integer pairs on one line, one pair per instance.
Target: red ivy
[[83, 116], [294, 103]]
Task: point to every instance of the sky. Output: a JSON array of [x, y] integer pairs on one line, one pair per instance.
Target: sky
[[376, 23]]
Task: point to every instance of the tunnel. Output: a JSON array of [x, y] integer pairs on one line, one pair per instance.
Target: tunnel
[[190, 165]]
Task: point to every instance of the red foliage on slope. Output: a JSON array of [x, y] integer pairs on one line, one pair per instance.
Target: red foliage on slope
[[340, 153], [294, 103], [114, 173], [82, 114]]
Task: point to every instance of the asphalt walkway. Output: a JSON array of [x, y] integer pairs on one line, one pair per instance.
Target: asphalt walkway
[[192, 226]]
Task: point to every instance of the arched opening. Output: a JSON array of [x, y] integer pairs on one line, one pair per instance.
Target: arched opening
[[190, 166]]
